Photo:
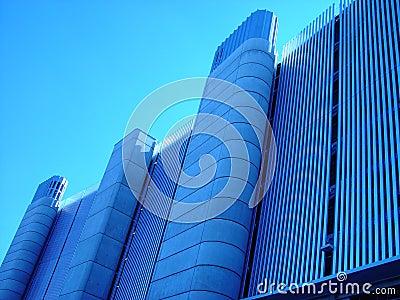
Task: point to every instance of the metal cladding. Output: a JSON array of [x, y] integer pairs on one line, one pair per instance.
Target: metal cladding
[[149, 230], [30, 238], [334, 203], [202, 259]]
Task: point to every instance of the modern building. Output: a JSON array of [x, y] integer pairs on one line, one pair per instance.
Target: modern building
[[138, 261], [334, 203], [190, 252], [53, 264], [31, 237], [332, 207]]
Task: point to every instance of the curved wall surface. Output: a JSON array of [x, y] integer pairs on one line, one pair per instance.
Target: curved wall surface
[[26, 247], [53, 265], [205, 260]]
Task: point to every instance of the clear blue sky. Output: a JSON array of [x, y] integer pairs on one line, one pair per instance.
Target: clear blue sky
[[71, 72]]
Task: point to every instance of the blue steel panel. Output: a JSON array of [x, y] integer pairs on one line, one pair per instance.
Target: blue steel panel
[[47, 264], [16, 270], [107, 226], [136, 268], [257, 25], [186, 248], [60, 273], [336, 125]]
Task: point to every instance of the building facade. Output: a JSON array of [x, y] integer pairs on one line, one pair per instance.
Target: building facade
[[332, 207], [190, 252], [334, 204], [25, 250], [53, 265], [135, 272]]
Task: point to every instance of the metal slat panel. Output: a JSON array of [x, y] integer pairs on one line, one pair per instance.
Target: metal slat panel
[[45, 268], [366, 203], [393, 30], [136, 269]]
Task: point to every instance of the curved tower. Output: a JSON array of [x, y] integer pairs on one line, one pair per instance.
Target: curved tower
[[206, 260], [22, 256]]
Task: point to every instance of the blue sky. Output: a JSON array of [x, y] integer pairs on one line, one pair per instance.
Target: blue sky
[[71, 73]]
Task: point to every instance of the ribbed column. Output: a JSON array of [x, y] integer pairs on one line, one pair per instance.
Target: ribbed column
[[26, 247]]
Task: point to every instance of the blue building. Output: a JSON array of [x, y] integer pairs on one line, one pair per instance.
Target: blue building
[[53, 266], [138, 261], [331, 209], [334, 203], [25, 250]]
